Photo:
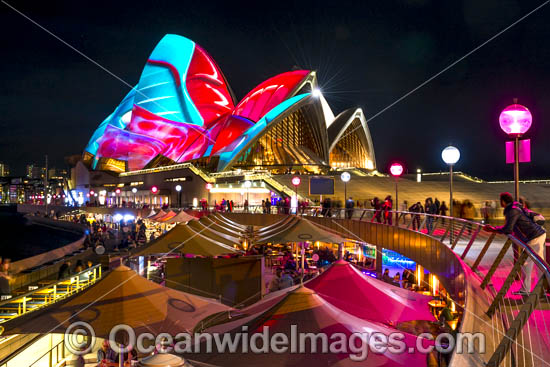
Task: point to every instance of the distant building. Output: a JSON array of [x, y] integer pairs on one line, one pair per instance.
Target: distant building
[[34, 171], [4, 170]]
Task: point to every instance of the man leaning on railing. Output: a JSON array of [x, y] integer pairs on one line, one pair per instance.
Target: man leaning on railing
[[520, 223]]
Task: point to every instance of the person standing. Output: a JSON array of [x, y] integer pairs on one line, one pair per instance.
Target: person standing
[[387, 208], [349, 207], [377, 205], [518, 223], [443, 211]]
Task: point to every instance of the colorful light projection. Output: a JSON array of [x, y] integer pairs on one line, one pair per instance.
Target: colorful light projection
[[182, 109]]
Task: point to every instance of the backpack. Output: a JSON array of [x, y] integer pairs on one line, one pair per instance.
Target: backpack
[[535, 217]]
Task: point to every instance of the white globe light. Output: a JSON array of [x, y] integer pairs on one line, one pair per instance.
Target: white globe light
[[316, 92], [134, 190], [345, 176], [247, 184], [450, 155], [178, 188]]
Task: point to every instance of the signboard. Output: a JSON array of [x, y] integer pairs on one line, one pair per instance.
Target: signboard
[[524, 151], [321, 185]]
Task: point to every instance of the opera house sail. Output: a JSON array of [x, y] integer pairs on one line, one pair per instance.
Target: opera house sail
[[183, 110]]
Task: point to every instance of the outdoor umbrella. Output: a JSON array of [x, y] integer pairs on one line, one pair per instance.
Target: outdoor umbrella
[[184, 239], [347, 288], [209, 221], [307, 312], [300, 231], [121, 297]]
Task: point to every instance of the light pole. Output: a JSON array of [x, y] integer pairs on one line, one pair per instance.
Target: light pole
[[450, 156], [296, 182], [396, 170], [178, 190], [515, 120], [118, 200], [345, 177], [134, 191]]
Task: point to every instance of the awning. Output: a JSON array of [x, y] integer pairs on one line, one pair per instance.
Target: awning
[[310, 313], [347, 288], [121, 297], [181, 217], [184, 239], [299, 231]]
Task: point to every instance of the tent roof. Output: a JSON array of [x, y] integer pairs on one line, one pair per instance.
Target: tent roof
[[311, 314], [182, 216], [121, 297], [222, 236], [160, 214], [211, 222], [184, 239], [165, 217], [299, 231], [152, 213], [365, 297]]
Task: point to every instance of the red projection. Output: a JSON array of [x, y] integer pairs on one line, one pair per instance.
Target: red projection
[[269, 94], [231, 129], [137, 149], [207, 87], [176, 135]]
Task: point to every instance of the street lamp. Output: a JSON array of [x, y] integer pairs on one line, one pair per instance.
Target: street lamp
[[396, 170], [296, 182], [345, 177], [178, 189], [450, 156], [134, 191], [515, 120]]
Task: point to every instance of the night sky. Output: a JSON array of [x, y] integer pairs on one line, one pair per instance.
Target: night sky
[[367, 54]]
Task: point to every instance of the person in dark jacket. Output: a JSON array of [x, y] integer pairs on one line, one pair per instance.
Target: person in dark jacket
[[518, 223], [64, 270]]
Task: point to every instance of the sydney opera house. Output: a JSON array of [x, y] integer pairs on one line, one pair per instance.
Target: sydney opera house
[[183, 110]]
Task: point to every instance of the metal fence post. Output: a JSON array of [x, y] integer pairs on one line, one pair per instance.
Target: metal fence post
[[484, 250], [496, 263], [470, 243], [507, 283], [459, 235], [519, 322]]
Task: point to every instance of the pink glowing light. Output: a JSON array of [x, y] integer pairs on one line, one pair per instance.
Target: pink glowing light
[[515, 119], [154, 189], [396, 169], [209, 186], [117, 191], [296, 180]]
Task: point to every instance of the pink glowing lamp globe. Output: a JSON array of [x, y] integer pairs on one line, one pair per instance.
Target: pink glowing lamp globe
[[296, 180], [515, 119], [396, 169]]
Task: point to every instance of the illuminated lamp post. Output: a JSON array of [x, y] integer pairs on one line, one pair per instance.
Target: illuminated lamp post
[[515, 120], [396, 170], [450, 156], [178, 190], [296, 182], [345, 177], [208, 188], [247, 184], [154, 191], [134, 191]]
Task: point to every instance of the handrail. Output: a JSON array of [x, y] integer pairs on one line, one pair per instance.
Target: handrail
[[24, 298]]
